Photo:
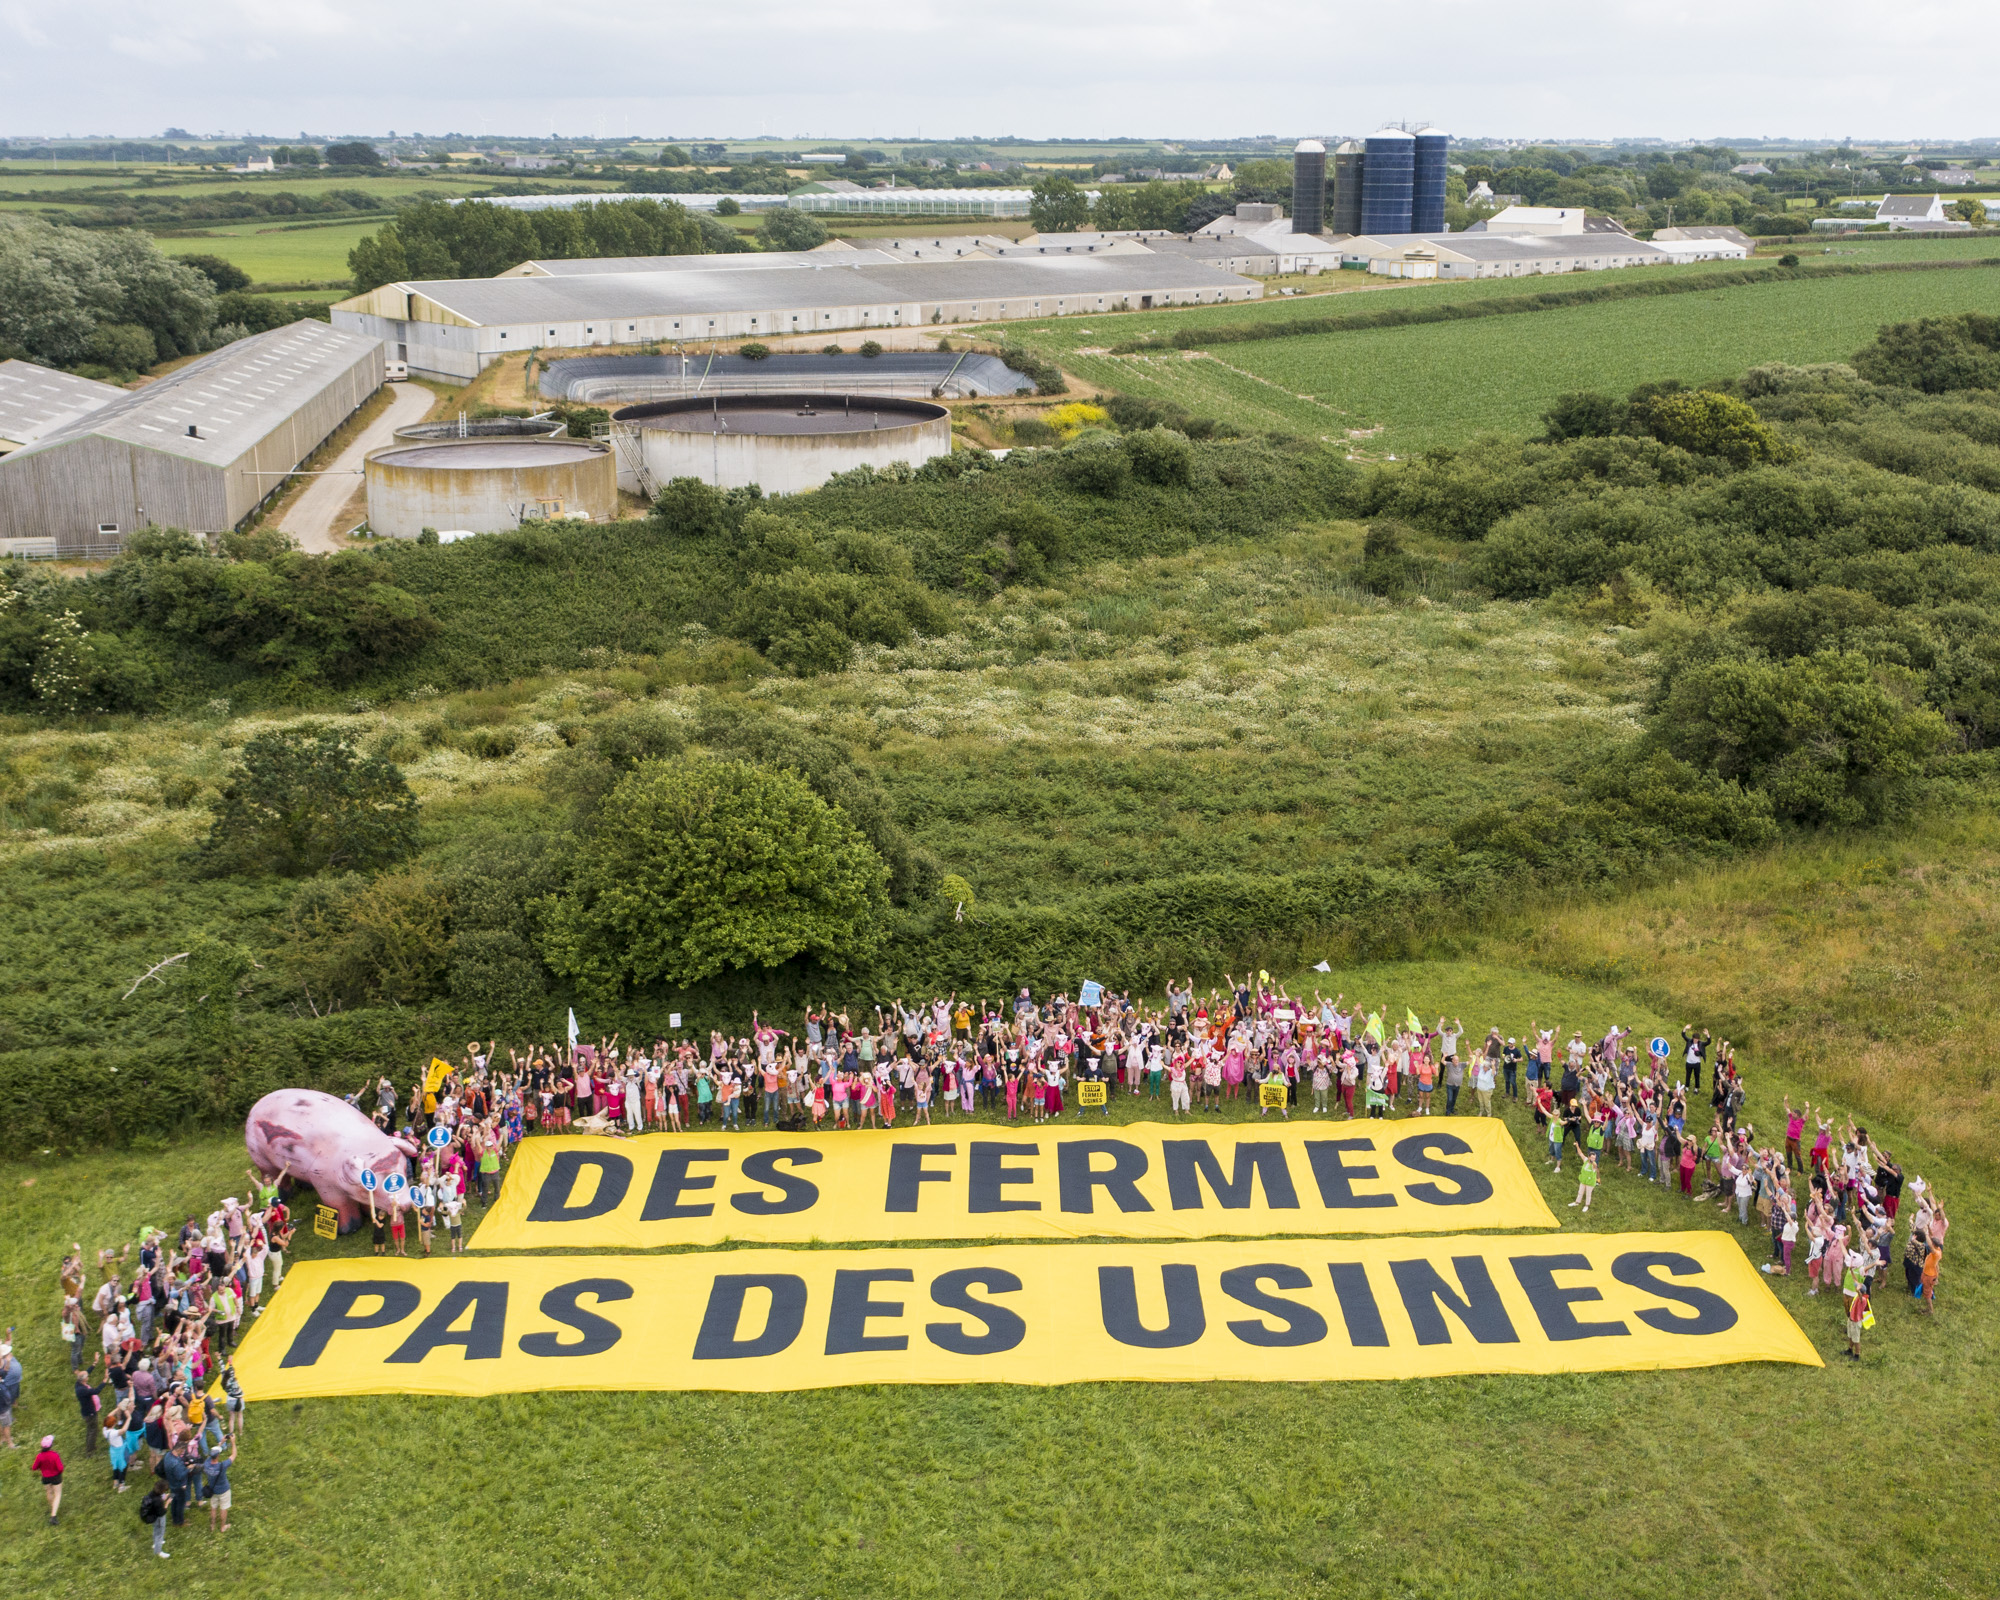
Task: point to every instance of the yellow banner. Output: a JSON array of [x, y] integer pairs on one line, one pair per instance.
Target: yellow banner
[[1035, 1314], [1147, 1180]]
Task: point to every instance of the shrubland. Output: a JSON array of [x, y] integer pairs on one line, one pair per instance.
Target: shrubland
[[1151, 703]]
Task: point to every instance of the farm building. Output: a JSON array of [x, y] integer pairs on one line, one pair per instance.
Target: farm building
[[453, 328], [35, 401], [196, 449], [1497, 255], [841, 198]]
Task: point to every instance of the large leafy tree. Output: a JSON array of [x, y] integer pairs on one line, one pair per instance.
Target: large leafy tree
[[1057, 205], [697, 866], [305, 800]]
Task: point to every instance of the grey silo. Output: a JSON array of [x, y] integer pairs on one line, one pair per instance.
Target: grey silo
[[1348, 159], [1309, 187], [1387, 181], [1427, 190]]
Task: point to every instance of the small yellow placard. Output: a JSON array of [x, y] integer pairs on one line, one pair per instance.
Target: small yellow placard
[[1090, 1094], [326, 1222], [1271, 1092]]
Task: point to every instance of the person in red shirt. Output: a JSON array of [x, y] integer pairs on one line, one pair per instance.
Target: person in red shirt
[[50, 1466]]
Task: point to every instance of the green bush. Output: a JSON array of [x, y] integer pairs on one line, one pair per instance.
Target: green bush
[[300, 802], [694, 867], [1161, 456]]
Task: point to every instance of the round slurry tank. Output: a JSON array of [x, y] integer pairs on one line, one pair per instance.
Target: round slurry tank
[[488, 485], [781, 442], [486, 428]]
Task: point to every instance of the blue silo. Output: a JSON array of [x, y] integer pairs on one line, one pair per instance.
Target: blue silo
[[1388, 175], [1427, 196]]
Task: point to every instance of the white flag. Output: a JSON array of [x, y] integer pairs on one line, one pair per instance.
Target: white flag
[[1322, 967], [572, 1027]]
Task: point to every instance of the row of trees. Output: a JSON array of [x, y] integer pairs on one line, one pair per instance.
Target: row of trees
[[112, 299], [477, 239]]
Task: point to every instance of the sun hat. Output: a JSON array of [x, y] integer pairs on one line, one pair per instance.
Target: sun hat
[[48, 1440]]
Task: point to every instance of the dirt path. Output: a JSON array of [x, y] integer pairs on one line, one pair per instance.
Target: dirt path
[[316, 518]]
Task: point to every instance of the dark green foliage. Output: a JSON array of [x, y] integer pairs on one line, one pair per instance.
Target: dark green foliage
[[122, 346], [1046, 376], [1096, 466], [786, 229], [809, 600], [1828, 737], [301, 802], [476, 239], [580, 422], [754, 352], [1161, 456], [1936, 354], [1385, 565], [353, 153], [225, 275], [259, 313], [1133, 414], [870, 349], [692, 867]]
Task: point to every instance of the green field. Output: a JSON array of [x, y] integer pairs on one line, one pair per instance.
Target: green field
[[279, 255], [1643, 1484], [1442, 383]]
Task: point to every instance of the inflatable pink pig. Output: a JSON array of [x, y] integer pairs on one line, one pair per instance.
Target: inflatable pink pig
[[328, 1144]]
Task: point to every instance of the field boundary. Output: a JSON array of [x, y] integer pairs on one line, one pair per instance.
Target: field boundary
[[1516, 305]]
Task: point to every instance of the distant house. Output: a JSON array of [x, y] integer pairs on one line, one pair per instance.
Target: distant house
[[1952, 177], [821, 158], [528, 163], [1480, 194], [257, 164], [1751, 169], [1904, 212]]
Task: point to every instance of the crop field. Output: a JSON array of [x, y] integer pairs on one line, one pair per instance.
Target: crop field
[[279, 255], [1442, 383]]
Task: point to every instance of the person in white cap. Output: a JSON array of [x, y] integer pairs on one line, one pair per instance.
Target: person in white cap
[[10, 1390]]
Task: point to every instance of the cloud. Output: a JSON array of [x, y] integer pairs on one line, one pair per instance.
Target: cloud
[[1198, 68]]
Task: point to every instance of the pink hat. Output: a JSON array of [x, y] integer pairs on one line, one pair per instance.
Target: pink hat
[[48, 1439]]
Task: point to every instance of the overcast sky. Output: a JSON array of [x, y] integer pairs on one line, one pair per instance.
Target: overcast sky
[[1677, 69]]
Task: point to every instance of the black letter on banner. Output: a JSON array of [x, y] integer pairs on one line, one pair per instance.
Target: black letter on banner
[[717, 1339], [1424, 1290], [671, 1181], [847, 1325], [907, 1175], [614, 1177], [990, 1174], [952, 1290], [1473, 1185], [1336, 1181], [1357, 1304], [1552, 1301], [482, 1341], [1118, 1295], [333, 1314], [1077, 1180], [1191, 1160], [560, 1305], [1713, 1314], [1302, 1324], [794, 1193]]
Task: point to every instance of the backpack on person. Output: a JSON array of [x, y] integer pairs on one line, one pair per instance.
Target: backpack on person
[[153, 1507]]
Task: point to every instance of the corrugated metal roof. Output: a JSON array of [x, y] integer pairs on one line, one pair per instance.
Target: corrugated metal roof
[[35, 401], [232, 397], [730, 261], [510, 302]]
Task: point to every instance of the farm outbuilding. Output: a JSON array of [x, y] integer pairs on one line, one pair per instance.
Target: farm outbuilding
[[199, 449]]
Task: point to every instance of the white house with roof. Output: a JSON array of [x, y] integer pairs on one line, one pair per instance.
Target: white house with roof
[[1913, 213]]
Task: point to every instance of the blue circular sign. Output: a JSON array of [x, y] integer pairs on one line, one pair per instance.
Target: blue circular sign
[[1661, 1048], [395, 1183], [369, 1180], [420, 1196], [438, 1138]]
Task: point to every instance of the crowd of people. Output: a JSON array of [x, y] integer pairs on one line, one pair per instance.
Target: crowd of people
[[150, 1342]]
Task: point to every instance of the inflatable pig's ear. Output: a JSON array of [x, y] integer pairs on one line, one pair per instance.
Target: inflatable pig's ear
[[407, 1146]]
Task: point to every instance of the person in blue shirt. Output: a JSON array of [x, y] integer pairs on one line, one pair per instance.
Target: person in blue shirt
[[215, 1479]]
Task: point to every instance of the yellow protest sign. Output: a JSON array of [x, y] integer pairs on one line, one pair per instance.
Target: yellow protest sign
[[326, 1222], [763, 1320], [1271, 1092], [1090, 1093], [1146, 1180], [435, 1074]]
